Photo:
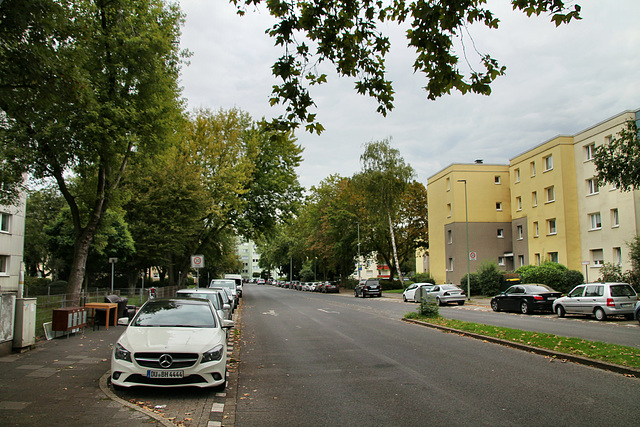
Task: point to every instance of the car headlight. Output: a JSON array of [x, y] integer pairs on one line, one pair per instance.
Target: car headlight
[[214, 354], [119, 352]]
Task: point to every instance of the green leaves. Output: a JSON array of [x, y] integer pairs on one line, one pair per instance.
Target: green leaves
[[618, 162], [348, 35]]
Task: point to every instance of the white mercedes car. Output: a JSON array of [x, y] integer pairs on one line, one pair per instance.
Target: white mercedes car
[[171, 343]]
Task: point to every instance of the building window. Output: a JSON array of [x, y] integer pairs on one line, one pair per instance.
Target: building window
[[608, 139], [537, 259], [5, 222], [498, 206], [553, 256], [519, 232], [597, 257], [520, 260], [536, 229], [517, 175], [551, 194], [519, 203], [534, 199], [532, 166], [450, 264], [500, 233], [551, 226], [449, 236], [4, 265], [497, 179], [501, 260], [615, 218], [448, 181], [595, 221], [592, 186], [449, 210], [617, 256], [548, 163], [589, 150]]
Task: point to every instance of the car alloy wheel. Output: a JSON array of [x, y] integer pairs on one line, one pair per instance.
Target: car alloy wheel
[[600, 314], [494, 305], [560, 311], [524, 308]]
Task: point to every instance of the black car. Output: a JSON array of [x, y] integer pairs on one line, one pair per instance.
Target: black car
[[526, 299], [369, 287], [330, 287]]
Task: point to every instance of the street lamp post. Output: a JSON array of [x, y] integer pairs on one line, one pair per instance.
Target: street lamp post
[[358, 252], [466, 214]]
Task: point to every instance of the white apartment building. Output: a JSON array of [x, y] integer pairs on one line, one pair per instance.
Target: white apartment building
[[12, 222]]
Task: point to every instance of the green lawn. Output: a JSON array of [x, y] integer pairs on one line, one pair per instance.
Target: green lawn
[[611, 353]]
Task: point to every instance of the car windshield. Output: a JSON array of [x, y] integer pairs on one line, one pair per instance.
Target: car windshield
[[223, 284], [211, 296], [622, 291], [172, 313]]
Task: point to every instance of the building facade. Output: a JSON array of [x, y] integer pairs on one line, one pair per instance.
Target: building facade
[[545, 205], [250, 257], [12, 222]]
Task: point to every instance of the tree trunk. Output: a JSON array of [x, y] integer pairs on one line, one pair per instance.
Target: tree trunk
[[78, 267], [395, 251]]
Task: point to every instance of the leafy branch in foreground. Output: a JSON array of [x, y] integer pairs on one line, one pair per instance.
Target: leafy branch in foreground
[[347, 34]]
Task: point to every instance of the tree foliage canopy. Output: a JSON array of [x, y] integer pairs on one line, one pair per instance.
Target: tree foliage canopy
[[618, 162], [347, 33]]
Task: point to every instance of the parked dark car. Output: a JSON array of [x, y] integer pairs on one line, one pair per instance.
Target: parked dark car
[[636, 313], [526, 299], [329, 287], [369, 287]]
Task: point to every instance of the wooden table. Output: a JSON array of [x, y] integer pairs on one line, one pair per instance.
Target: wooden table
[[104, 306]]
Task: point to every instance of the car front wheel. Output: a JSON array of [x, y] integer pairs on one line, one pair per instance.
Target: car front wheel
[[524, 308], [494, 305], [600, 314], [560, 311], [438, 301]]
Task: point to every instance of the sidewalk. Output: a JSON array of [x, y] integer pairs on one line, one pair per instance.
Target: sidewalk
[[58, 383]]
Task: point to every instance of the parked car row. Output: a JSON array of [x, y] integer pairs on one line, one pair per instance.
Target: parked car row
[[180, 341], [600, 300], [324, 287], [437, 294]]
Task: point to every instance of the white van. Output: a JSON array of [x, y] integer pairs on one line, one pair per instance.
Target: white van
[[238, 279]]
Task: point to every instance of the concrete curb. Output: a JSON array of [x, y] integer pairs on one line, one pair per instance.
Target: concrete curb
[[542, 351], [104, 386]]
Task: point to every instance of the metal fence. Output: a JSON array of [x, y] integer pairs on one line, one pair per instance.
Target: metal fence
[[47, 303]]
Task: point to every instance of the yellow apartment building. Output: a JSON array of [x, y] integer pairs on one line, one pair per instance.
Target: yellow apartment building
[[544, 206], [488, 205], [608, 218]]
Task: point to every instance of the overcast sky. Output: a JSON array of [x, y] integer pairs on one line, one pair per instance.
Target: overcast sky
[[559, 81]]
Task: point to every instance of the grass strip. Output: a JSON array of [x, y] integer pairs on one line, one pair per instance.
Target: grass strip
[[611, 353]]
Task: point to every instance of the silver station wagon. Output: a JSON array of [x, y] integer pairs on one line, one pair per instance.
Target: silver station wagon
[[599, 300]]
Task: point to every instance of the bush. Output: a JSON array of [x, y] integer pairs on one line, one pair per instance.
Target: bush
[[474, 284], [551, 274], [387, 285], [572, 278], [489, 278], [424, 278], [428, 309]]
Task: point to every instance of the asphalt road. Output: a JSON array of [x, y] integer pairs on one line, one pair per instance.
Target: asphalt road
[[326, 360]]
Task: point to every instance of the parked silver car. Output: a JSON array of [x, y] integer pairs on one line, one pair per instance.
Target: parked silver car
[[599, 300], [446, 294], [214, 295]]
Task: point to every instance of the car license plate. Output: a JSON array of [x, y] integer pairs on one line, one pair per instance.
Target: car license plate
[[625, 305], [165, 374], [551, 298]]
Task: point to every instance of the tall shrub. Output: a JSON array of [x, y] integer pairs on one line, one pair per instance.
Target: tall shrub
[[489, 278]]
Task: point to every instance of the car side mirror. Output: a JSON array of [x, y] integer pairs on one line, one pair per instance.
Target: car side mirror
[[226, 306], [227, 324], [123, 321]]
